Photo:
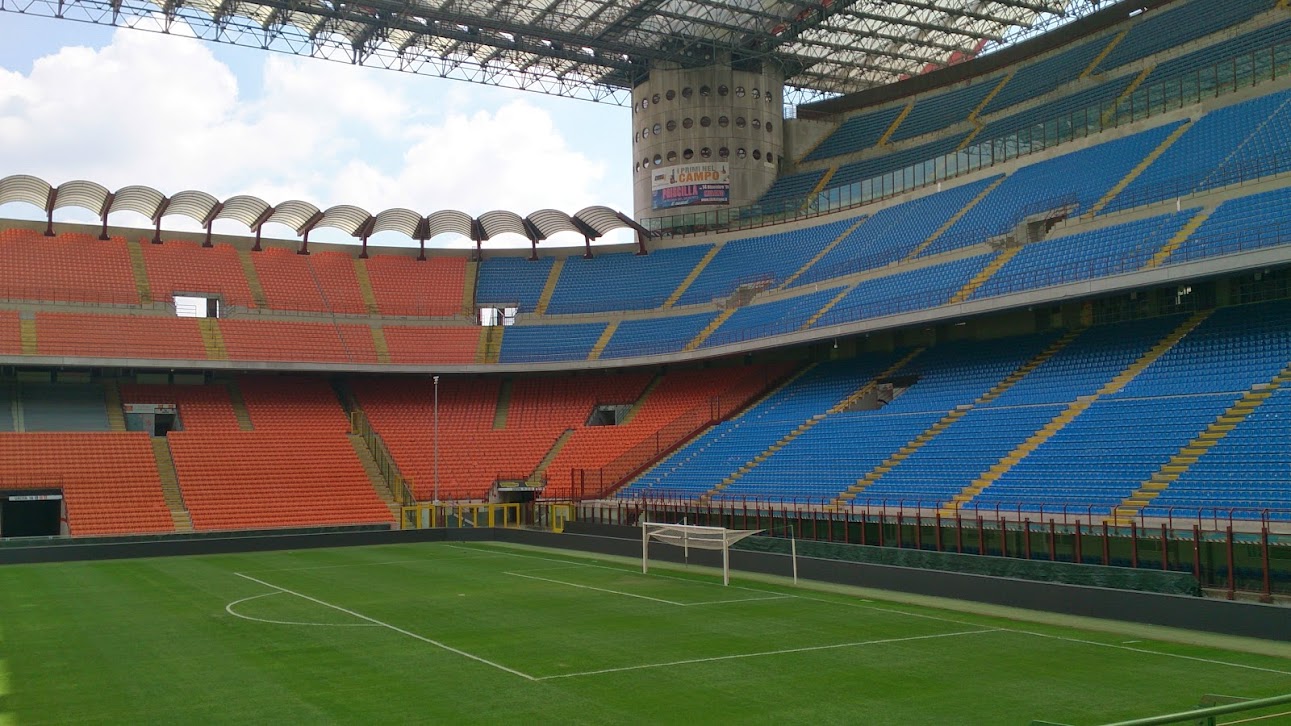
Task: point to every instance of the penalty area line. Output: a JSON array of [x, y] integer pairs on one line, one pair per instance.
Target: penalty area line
[[581, 586], [759, 654], [388, 626]]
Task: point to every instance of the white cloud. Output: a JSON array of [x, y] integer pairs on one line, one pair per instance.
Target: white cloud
[[164, 111]]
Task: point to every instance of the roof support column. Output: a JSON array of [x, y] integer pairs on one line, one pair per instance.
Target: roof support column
[[587, 247]]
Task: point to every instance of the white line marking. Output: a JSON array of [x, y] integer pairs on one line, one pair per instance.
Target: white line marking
[[482, 556], [229, 609], [632, 594], [598, 589], [1129, 642], [1258, 718], [785, 651], [855, 604], [395, 628]]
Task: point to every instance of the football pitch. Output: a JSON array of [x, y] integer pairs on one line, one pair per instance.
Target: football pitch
[[490, 633]]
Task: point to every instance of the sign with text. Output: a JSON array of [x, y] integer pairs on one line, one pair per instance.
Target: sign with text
[[687, 184]]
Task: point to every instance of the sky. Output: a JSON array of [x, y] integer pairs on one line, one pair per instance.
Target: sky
[[120, 107]]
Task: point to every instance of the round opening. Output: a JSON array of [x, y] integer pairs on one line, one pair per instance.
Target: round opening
[[687, 123], [672, 156], [723, 153], [722, 90], [757, 155], [705, 152], [706, 122], [739, 122], [740, 153], [688, 154], [658, 160], [755, 93], [686, 92], [672, 125], [705, 91], [671, 94], [723, 121], [756, 124], [658, 129], [768, 127], [655, 99], [739, 91]]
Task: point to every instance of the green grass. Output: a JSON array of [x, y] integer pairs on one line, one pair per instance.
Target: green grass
[[492, 634]]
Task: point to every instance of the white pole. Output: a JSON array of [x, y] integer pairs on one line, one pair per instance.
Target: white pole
[[645, 547], [436, 380], [726, 564], [793, 553]]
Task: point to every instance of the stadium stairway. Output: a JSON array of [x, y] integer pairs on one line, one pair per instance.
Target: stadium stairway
[[469, 282], [549, 287], [540, 471], [27, 332], [954, 219], [369, 464], [820, 185], [139, 269], [641, 400], [240, 411], [1139, 169], [503, 408], [952, 416], [116, 414], [816, 316], [253, 279], [711, 328], [896, 124], [1179, 238], [604, 340], [365, 286], [170, 485], [691, 277], [983, 275], [490, 344], [1070, 413], [1194, 450], [810, 423], [380, 344], [1102, 55], [821, 254], [212, 339], [1110, 113]]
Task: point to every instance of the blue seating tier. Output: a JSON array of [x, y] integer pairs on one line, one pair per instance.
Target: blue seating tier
[[856, 133], [943, 110], [1238, 225], [1178, 24], [513, 280], [1033, 80], [770, 318], [927, 287], [654, 336], [538, 343], [587, 286]]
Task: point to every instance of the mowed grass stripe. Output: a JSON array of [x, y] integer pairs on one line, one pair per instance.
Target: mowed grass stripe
[[149, 641]]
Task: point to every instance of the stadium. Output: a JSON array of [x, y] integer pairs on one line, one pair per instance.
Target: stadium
[[941, 373]]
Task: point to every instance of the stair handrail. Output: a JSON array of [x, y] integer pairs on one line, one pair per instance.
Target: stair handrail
[[399, 486]]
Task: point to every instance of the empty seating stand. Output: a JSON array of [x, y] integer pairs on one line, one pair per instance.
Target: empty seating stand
[[10, 333], [109, 480], [322, 281], [187, 268], [119, 336], [514, 281], [595, 285], [200, 407], [421, 345], [277, 340], [71, 267], [407, 286]]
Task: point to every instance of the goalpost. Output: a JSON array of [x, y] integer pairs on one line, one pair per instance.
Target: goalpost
[[687, 536]]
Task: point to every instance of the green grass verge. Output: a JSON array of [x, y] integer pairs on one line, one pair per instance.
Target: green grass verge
[[493, 634]]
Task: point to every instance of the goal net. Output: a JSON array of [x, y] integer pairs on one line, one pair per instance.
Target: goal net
[[691, 536]]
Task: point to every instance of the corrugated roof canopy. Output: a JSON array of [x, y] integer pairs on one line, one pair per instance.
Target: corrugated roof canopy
[[598, 49], [302, 217]]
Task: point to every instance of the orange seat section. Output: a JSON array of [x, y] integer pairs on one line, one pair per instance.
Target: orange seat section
[[291, 341], [109, 480], [293, 403], [321, 282], [257, 480], [119, 336], [415, 345], [10, 333], [187, 267], [68, 268], [201, 408], [406, 286]]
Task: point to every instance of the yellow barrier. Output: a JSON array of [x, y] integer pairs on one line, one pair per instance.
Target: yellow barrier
[[455, 515]]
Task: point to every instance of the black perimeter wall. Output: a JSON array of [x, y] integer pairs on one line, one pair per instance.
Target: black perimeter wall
[[1254, 620]]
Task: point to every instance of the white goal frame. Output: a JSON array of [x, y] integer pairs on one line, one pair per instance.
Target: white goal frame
[[692, 535]]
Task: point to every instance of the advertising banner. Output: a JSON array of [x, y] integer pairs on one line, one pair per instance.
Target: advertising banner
[[684, 185]]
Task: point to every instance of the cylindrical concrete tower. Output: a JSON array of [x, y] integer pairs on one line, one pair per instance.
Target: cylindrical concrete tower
[[705, 138]]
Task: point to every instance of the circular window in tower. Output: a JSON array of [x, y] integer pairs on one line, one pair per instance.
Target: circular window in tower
[[770, 158], [672, 156], [756, 124], [739, 122], [686, 92], [687, 123], [672, 125], [688, 154], [768, 127], [705, 122], [645, 162], [705, 152], [723, 153], [705, 91], [755, 93], [739, 153], [670, 94], [655, 99], [722, 90], [658, 160], [645, 132], [739, 91], [658, 129], [723, 121], [645, 103], [757, 155]]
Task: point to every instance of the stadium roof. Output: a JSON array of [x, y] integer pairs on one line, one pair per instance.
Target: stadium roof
[[598, 49]]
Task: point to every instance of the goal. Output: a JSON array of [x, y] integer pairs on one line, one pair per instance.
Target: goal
[[689, 536]]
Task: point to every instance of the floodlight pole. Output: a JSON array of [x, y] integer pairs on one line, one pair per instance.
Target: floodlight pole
[[436, 382]]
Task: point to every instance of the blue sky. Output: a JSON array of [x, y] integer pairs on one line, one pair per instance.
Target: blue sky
[[120, 107]]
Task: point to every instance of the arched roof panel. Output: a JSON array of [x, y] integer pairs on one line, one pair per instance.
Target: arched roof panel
[[551, 221], [502, 222], [293, 213], [400, 220], [25, 188], [139, 199], [345, 217], [245, 209], [193, 204], [81, 193], [600, 218], [449, 221]]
